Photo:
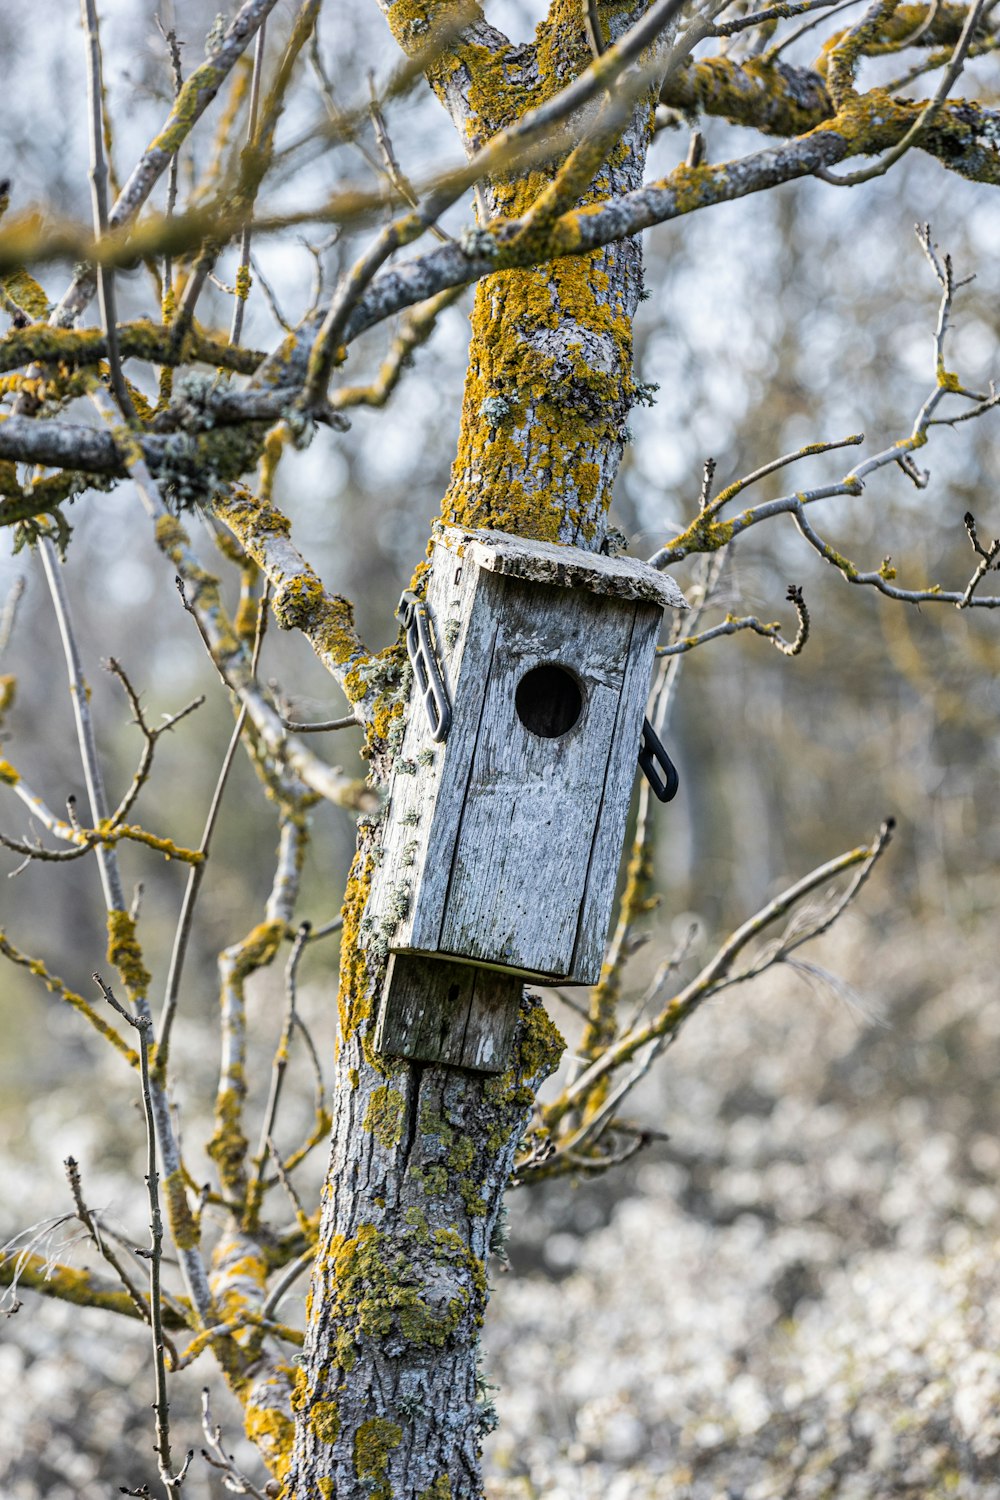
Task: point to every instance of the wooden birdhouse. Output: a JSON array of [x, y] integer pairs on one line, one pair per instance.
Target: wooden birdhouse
[[506, 813]]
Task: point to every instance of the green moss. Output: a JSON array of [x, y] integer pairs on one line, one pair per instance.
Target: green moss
[[355, 993], [432, 1123], [272, 1431], [435, 1181], [187, 107], [170, 534], [384, 1116], [417, 1220], [462, 1154]]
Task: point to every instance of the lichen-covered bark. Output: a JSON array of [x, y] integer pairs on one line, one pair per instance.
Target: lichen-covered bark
[[549, 384], [387, 1399]]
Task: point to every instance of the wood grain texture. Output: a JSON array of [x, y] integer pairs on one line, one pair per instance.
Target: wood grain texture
[[619, 778], [438, 1011], [501, 846], [406, 856], [568, 567], [518, 875]]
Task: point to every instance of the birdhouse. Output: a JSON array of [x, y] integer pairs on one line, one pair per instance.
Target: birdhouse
[[505, 819]]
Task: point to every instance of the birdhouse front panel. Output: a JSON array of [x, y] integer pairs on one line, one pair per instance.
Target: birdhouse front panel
[[501, 845], [527, 876]]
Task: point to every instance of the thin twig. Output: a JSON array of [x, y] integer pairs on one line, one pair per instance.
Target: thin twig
[[90, 1222], [8, 615], [394, 171], [282, 1174], [169, 35], [323, 726], [196, 873], [733, 624], [114, 894], [143, 1026], [808, 451], [771, 13], [641, 1046], [278, 1066], [326, 930], [987, 557], [99, 198], [793, 36], [594, 28], [243, 270], [234, 1479], [150, 736], [287, 1280]]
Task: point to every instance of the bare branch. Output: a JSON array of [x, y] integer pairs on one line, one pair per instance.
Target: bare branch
[[234, 1479], [143, 1026], [196, 873], [643, 1044], [927, 114], [192, 100], [99, 194]]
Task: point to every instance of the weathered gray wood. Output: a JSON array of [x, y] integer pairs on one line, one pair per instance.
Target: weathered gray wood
[[438, 1011], [569, 567], [619, 777], [519, 871], [501, 846], [406, 857]]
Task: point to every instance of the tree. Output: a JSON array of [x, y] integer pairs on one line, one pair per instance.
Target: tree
[[387, 1398]]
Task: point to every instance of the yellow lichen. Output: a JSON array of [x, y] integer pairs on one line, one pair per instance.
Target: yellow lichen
[[126, 954], [184, 1228], [440, 1489], [384, 1116], [324, 1421], [373, 1443]]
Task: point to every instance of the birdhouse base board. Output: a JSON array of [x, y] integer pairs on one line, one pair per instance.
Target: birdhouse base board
[[434, 1010]]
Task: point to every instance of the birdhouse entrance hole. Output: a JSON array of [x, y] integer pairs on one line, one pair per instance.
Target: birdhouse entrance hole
[[548, 701]]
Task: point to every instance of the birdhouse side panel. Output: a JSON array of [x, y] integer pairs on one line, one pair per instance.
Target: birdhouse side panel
[[467, 609], [602, 876], [533, 798], [404, 854]]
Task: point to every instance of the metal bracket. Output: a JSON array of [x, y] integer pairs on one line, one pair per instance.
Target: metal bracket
[[652, 760], [412, 612]]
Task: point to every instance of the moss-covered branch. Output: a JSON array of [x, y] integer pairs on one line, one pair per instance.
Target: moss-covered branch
[[37, 1273]]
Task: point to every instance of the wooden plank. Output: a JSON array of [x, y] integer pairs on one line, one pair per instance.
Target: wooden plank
[[403, 861], [619, 778], [437, 1011], [470, 675], [525, 847], [569, 567]]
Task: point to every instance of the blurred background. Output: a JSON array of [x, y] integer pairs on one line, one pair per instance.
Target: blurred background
[[796, 1293]]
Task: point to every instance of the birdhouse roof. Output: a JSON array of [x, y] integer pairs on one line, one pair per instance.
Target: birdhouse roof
[[568, 567]]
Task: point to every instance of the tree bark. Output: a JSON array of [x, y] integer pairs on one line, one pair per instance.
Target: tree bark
[[388, 1399]]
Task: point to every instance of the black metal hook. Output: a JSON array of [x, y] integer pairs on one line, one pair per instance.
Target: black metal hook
[[652, 760], [412, 612]]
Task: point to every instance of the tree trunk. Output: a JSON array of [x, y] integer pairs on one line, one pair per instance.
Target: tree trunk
[[388, 1398]]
